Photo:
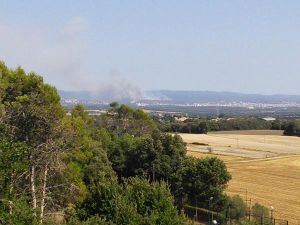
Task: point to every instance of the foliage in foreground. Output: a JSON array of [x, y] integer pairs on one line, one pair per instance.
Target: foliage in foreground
[[114, 169]]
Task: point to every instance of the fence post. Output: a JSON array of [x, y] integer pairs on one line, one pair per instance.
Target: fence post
[[262, 219]]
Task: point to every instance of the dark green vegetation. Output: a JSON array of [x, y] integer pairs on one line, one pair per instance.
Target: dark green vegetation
[[292, 128], [114, 169], [200, 125]]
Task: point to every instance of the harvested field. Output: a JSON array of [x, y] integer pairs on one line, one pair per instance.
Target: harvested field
[[274, 182], [225, 158], [250, 132], [268, 166], [249, 146]]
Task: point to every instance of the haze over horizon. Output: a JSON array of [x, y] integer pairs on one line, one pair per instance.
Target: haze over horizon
[[152, 45]]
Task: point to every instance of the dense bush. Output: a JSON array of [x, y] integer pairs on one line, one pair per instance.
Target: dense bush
[[292, 129]]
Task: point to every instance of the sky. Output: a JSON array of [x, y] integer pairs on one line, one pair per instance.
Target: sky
[[240, 46]]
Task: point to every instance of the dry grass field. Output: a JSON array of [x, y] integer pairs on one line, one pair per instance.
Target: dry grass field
[[244, 145], [268, 166], [250, 132], [274, 182]]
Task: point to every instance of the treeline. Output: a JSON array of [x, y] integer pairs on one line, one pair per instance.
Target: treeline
[[114, 169], [168, 123]]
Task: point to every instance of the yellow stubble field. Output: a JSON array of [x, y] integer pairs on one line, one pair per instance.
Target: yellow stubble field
[[266, 165]]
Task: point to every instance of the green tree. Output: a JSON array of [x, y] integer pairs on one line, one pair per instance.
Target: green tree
[[235, 208], [203, 179], [22, 212], [120, 152], [87, 162], [259, 212], [136, 202], [154, 202], [13, 171], [33, 115], [292, 129], [123, 119]]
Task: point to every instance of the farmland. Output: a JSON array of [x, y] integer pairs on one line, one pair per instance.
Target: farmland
[[267, 165]]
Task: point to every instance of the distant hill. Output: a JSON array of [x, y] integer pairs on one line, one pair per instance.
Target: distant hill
[[80, 95], [185, 97], [213, 96]]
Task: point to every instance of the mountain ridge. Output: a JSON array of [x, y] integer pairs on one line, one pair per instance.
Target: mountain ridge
[[184, 96]]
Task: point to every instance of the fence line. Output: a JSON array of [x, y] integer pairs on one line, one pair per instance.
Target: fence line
[[210, 217]]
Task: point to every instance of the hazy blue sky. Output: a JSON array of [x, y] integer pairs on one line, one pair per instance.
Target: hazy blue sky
[[245, 46]]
